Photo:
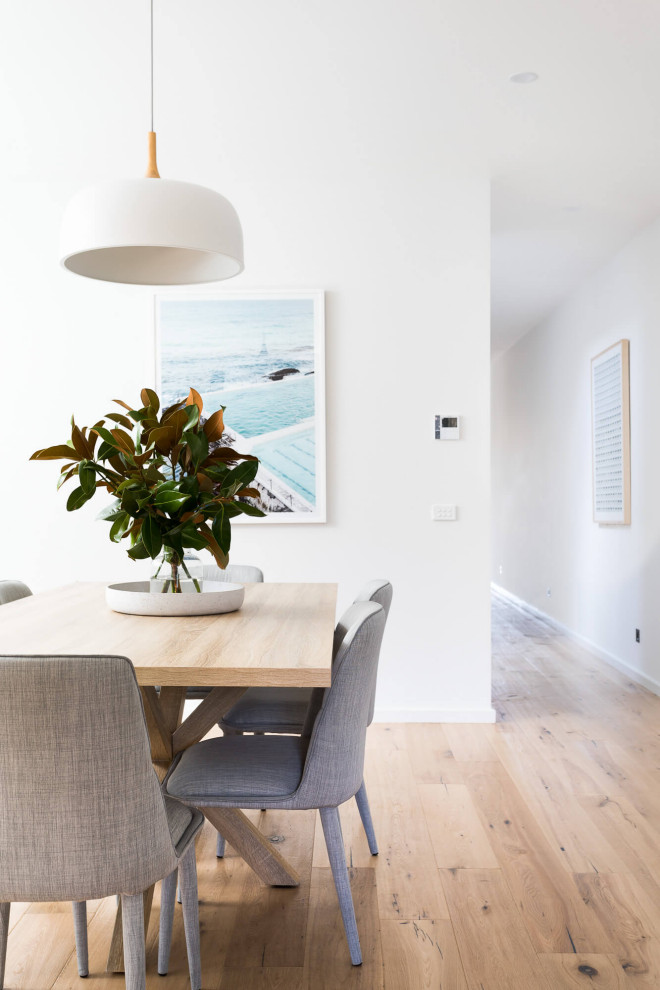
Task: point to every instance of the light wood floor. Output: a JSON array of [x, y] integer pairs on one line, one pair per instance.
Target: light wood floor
[[523, 855]]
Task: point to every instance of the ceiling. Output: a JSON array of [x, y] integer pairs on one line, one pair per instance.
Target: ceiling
[[575, 156], [423, 85]]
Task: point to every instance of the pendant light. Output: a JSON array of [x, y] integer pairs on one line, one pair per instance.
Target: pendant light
[[151, 231]]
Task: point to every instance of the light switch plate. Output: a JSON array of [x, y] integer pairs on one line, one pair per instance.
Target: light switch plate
[[447, 426], [443, 513]]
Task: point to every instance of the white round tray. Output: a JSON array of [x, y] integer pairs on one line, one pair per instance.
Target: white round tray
[[134, 598]]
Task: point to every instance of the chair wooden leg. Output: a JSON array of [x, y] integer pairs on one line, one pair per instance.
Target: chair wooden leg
[[132, 914], [365, 814], [167, 895], [189, 897], [80, 928], [335, 844], [220, 846], [4, 933]]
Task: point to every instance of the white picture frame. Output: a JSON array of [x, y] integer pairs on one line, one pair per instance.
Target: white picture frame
[[610, 435], [282, 330]]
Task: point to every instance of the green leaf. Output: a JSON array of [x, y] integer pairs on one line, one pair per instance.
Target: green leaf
[[106, 451], [77, 498], [152, 473], [216, 472], [66, 476], [152, 536], [189, 485], [134, 533], [87, 475], [110, 511], [107, 436], [129, 503], [173, 541], [170, 501], [221, 529], [126, 460], [190, 537], [199, 446], [213, 508], [249, 510], [119, 526], [192, 412], [124, 485], [240, 476], [138, 552]]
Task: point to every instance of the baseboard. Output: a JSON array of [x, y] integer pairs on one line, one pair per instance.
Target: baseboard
[[434, 715], [650, 683]]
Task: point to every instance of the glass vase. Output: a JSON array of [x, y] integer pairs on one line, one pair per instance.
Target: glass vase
[[176, 574]]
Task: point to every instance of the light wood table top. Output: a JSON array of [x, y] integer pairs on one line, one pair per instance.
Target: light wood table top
[[281, 637]]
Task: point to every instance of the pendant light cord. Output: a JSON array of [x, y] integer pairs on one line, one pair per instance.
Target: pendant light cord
[[152, 167], [152, 65]]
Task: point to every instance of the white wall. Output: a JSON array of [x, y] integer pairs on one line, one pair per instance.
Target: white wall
[[604, 580], [328, 127]]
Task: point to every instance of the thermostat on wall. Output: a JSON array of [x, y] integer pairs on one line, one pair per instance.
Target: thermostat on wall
[[447, 427]]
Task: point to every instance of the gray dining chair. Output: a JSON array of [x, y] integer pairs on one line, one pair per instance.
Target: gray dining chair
[[283, 710], [78, 792], [11, 591], [322, 768], [235, 574]]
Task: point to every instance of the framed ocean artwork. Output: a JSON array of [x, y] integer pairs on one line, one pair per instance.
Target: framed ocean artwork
[[261, 356]]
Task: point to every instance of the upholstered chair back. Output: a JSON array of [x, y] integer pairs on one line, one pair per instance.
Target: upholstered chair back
[[335, 757], [234, 573], [11, 591], [81, 811], [378, 591]]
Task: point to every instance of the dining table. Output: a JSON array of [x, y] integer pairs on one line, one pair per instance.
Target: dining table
[[280, 637]]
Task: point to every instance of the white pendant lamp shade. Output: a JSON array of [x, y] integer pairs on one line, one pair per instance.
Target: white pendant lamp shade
[[151, 231]]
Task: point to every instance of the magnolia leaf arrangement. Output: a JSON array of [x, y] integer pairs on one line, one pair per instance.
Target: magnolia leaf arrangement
[[175, 485]]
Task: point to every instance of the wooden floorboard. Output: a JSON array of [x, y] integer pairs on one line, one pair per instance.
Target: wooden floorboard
[[421, 954], [523, 855]]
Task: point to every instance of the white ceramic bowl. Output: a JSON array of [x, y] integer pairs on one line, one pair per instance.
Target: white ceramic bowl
[[134, 598]]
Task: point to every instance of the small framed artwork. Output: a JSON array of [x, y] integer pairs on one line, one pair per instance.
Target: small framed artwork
[[610, 417], [261, 356]]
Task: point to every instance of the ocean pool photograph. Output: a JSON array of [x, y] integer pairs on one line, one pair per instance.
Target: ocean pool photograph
[[261, 356]]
